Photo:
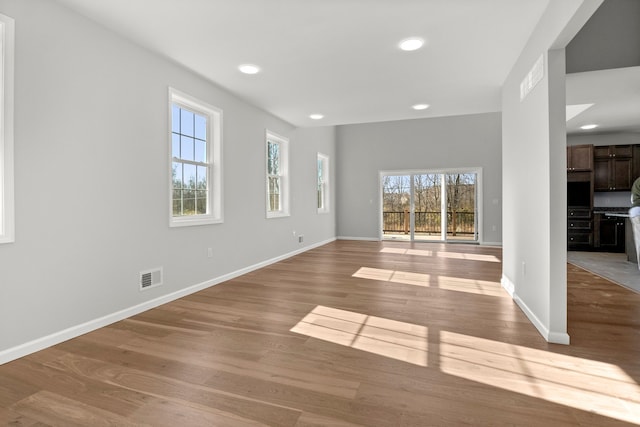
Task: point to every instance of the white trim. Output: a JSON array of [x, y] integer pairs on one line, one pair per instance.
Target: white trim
[[7, 197], [550, 336], [507, 285], [369, 239], [215, 197], [75, 331], [498, 244], [559, 338]]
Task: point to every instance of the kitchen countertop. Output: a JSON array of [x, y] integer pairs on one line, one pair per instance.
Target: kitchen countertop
[[609, 211]]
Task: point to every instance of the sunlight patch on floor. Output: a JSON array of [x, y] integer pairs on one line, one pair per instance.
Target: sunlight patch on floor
[[441, 254], [389, 338], [473, 286], [584, 384], [588, 385]]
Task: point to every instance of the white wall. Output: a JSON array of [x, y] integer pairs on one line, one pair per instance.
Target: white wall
[[91, 180], [534, 173], [446, 142]]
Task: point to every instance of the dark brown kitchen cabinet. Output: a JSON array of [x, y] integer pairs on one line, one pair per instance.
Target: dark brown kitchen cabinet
[[609, 233], [613, 168], [611, 151], [636, 161], [580, 157], [579, 229]]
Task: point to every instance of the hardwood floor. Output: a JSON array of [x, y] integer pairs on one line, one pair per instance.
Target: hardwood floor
[[351, 333]]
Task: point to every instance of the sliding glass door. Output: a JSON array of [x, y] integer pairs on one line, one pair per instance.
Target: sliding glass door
[[426, 206]]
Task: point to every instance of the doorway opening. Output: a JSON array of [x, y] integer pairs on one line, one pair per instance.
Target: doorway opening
[[430, 205]]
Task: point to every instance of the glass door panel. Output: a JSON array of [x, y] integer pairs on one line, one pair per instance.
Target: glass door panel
[[396, 207], [461, 206], [427, 202]]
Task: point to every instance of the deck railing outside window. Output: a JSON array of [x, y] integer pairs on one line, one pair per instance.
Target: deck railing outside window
[[429, 222]]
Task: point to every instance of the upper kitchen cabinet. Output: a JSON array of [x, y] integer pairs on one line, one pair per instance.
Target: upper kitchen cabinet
[[580, 157], [613, 151], [613, 166]]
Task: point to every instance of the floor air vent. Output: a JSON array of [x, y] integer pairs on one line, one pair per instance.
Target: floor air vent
[[150, 278]]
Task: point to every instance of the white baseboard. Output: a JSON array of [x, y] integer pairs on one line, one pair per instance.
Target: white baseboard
[[508, 285], [370, 239], [550, 336], [497, 244], [559, 338], [77, 330]]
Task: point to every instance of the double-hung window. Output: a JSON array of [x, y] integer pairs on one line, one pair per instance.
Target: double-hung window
[[196, 161], [6, 129], [323, 183], [277, 148]]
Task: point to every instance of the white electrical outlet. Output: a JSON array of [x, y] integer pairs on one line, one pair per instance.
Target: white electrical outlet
[[300, 238], [209, 252]]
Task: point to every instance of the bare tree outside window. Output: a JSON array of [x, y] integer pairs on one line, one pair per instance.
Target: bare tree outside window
[[277, 179], [273, 172], [426, 189]]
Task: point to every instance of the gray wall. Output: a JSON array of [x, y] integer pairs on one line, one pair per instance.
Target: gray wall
[[92, 173], [447, 142], [610, 39]]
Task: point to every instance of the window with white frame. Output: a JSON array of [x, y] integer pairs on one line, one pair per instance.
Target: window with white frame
[[7, 227], [323, 183], [196, 161], [277, 148]]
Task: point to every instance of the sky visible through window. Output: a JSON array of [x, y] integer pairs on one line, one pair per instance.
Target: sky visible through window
[[190, 168]]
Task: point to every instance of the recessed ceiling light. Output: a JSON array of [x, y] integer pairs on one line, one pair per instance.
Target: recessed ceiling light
[[413, 43], [420, 106], [587, 127], [249, 69], [316, 116]]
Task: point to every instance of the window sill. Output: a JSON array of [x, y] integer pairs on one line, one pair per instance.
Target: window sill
[[6, 239], [193, 221], [277, 215]]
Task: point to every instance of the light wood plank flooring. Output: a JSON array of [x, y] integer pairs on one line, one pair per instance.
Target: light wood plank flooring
[[351, 333]]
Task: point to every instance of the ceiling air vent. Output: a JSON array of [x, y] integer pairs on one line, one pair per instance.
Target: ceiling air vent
[[150, 278]]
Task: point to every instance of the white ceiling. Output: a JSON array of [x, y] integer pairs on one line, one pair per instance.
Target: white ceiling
[[336, 57], [615, 95]]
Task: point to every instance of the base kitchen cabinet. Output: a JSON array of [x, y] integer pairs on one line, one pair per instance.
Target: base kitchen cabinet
[[579, 229], [609, 233]]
